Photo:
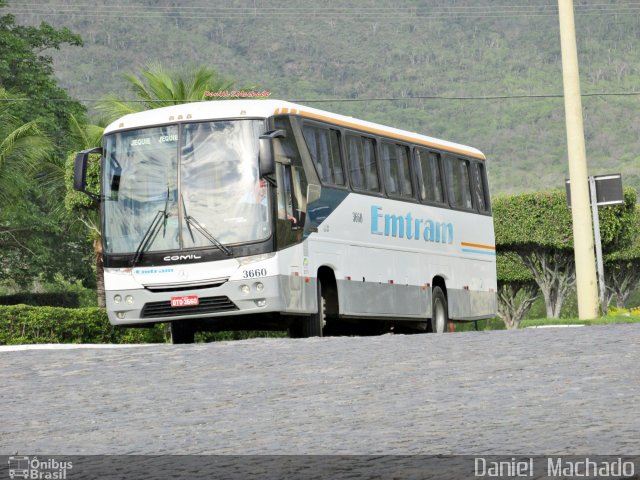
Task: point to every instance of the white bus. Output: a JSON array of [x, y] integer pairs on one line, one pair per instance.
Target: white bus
[[247, 214]]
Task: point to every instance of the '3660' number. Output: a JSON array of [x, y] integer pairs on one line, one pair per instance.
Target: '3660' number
[[255, 273]]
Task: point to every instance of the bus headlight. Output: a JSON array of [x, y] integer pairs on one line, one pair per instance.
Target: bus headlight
[[117, 299], [261, 302], [259, 286], [244, 289], [120, 315], [128, 299]]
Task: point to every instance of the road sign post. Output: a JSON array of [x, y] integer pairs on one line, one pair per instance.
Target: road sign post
[[598, 244], [603, 190]]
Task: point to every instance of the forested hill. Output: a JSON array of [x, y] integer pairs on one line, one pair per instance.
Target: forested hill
[[353, 49]]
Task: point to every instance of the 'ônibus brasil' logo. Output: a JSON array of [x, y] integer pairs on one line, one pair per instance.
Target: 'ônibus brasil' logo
[[34, 468], [409, 227]]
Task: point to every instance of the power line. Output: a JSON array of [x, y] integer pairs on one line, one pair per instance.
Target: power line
[[487, 97], [368, 99], [251, 9], [384, 13]]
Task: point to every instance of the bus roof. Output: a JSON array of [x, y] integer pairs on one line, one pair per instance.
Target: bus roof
[[219, 109]]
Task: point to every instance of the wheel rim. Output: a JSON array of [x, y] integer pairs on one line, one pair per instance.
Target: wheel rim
[[439, 317], [323, 312]]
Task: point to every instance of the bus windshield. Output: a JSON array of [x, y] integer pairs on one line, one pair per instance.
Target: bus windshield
[[184, 186]]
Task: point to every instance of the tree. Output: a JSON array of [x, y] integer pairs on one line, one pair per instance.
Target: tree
[[537, 227], [21, 145], [517, 289], [622, 267], [80, 206], [25, 69], [157, 87], [34, 242], [554, 272]]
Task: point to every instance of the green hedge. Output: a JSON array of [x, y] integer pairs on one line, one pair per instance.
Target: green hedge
[[542, 220], [510, 268], [24, 324]]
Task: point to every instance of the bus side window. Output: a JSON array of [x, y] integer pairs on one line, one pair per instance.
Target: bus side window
[[404, 172], [479, 192], [355, 162], [286, 201], [311, 137], [428, 173], [324, 148], [390, 167], [361, 161], [457, 177], [336, 161], [395, 168], [370, 168]]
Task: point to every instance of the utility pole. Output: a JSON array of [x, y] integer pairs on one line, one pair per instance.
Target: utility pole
[[586, 282]]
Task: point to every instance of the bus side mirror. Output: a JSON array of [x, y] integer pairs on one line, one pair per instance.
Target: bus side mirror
[[80, 172], [266, 156]]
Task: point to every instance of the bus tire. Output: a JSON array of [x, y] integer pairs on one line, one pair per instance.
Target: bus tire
[[439, 312], [313, 325], [182, 331]]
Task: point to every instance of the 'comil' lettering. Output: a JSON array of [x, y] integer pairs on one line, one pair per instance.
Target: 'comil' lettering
[[409, 227]]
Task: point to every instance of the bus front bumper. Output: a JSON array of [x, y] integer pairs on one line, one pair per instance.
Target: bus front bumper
[[141, 306]]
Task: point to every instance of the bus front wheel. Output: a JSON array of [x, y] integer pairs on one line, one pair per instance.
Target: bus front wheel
[[313, 325], [439, 312]]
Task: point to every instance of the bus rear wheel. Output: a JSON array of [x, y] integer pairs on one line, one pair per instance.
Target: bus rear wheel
[[182, 331], [439, 312]]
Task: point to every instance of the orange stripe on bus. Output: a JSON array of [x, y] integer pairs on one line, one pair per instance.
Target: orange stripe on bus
[[477, 245]]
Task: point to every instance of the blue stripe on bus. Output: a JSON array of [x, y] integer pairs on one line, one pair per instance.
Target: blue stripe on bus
[[483, 252]]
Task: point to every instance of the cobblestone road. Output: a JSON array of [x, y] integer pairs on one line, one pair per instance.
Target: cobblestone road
[[543, 391]]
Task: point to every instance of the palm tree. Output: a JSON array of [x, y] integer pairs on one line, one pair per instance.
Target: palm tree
[[154, 88], [21, 146], [54, 175], [158, 87], [57, 177]]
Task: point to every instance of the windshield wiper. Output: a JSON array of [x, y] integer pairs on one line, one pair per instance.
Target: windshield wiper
[[152, 232], [205, 233]]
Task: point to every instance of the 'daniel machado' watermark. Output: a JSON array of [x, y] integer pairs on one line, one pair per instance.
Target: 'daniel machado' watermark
[[238, 94], [554, 468]]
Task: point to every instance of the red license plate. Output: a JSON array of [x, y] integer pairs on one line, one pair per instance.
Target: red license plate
[[187, 301]]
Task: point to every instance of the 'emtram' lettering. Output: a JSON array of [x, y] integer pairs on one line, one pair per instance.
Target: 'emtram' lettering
[[391, 225]]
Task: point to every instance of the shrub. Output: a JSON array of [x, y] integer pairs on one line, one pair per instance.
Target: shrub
[[25, 324]]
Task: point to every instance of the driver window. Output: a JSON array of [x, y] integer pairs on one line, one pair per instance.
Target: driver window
[[291, 180]]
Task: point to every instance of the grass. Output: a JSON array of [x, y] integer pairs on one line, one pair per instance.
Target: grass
[[497, 324], [609, 319]]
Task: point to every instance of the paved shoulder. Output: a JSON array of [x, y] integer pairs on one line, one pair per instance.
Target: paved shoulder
[[546, 391]]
